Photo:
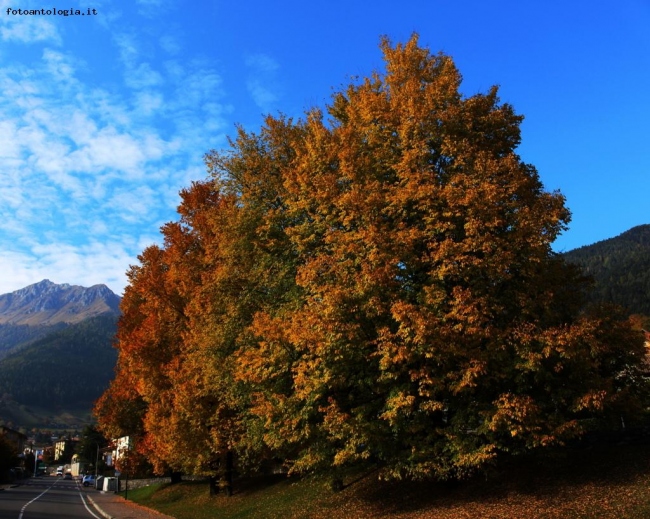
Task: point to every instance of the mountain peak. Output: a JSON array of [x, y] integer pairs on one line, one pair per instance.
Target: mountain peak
[[46, 302]]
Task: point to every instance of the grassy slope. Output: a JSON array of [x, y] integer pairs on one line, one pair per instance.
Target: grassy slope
[[606, 483]]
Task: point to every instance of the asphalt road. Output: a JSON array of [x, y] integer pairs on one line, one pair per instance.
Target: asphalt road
[[46, 498]]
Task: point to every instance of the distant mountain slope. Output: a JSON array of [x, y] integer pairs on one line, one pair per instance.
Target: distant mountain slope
[[56, 350], [69, 367], [16, 335], [620, 267], [46, 303]]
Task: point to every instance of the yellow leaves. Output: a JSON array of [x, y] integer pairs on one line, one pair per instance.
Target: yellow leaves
[[270, 358], [516, 414], [476, 458], [470, 375], [591, 401], [524, 420], [398, 406]]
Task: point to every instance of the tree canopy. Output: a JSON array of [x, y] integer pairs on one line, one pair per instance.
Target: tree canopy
[[374, 282]]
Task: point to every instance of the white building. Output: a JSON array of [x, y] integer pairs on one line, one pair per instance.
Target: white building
[[122, 446]]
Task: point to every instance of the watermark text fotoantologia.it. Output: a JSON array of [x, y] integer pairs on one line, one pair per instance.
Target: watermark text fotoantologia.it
[[51, 12]]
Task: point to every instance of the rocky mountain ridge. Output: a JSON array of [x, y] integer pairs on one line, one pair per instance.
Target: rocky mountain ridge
[[48, 303]]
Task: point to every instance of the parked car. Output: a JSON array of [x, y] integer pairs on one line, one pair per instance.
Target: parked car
[[88, 481]]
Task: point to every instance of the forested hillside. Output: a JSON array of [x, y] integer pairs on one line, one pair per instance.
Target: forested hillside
[[620, 267], [69, 367], [19, 335]]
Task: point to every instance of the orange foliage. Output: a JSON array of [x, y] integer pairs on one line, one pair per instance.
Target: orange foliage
[[379, 285]]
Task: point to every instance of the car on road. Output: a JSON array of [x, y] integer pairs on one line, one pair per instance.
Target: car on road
[[88, 481], [67, 475]]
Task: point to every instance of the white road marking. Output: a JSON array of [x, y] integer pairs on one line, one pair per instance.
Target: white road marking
[[83, 500], [22, 510]]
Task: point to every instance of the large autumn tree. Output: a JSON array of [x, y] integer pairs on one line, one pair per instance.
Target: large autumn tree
[[374, 282], [437, 327]]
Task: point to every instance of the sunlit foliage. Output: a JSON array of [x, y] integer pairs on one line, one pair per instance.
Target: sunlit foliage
[[371, 284]]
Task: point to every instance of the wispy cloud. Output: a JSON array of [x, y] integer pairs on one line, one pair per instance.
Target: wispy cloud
[[262, 63], [88, 173], [58, 261], [262, 83], [170, 44], [27, 29], [151, 8]]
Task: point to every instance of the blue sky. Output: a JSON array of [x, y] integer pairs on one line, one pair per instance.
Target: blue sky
[[105, 117]]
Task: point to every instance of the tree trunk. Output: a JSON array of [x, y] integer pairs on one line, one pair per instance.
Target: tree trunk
[[176, 477], [214, 485], [226, 480]]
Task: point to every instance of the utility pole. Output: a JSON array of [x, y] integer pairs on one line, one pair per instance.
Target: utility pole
[[96, 462], [126, 486]]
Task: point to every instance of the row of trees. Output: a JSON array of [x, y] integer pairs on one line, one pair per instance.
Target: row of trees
[[372, 285]]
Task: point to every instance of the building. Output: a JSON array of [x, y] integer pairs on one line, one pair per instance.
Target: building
[[121, 447], [16, 438], [63, 450], [77, 466]]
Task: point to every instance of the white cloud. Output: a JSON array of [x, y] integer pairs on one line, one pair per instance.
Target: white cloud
[[151, 8], [148, 102], [88, 265], [59, 65], [143, 76], [109, 149], [132, 205], [174, 69], [27, 29], [261, 82], [88, 173], [262, 63], [261, 94], [126, 44], [170, 44], [8, 141], [18, 270], [98, 264]]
